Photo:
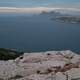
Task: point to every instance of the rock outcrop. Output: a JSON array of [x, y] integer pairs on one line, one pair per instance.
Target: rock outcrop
[[50, 65]]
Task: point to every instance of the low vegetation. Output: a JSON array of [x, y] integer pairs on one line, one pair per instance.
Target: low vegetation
[[6, 54]]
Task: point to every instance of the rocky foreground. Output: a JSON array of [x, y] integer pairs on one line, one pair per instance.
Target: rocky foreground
[[50, 65]]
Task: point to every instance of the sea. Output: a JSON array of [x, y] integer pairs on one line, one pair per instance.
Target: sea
[[35, 33]]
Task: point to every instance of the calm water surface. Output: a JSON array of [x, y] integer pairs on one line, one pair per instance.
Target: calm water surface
[[38, 33]]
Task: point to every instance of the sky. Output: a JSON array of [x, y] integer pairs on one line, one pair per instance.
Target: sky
[[40, 3]]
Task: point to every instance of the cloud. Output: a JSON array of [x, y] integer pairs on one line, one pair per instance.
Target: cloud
[[36, 9]]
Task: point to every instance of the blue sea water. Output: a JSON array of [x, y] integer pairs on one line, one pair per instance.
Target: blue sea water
[[37, 33]]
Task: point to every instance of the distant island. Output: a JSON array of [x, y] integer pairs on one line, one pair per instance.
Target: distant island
[[68, 19], [65, 18]]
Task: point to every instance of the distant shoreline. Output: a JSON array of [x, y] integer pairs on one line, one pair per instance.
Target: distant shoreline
[[36, 9]]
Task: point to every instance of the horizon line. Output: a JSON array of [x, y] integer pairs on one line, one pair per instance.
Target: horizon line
[[35, 9]]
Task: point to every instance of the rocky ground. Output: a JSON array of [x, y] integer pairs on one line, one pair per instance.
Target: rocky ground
[[50, 65]]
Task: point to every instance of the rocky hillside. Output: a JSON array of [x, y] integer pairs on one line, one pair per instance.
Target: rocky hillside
[[50, 65]]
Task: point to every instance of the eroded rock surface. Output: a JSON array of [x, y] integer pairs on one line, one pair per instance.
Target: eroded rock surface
[[49, 65]]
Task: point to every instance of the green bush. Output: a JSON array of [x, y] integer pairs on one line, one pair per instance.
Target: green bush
[[6, 54]]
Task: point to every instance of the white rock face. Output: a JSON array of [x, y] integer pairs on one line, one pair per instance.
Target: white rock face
[[60, 76], [7, 69], [49, 65]]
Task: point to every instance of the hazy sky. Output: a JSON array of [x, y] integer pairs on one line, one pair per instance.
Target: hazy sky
[[39, 3]]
